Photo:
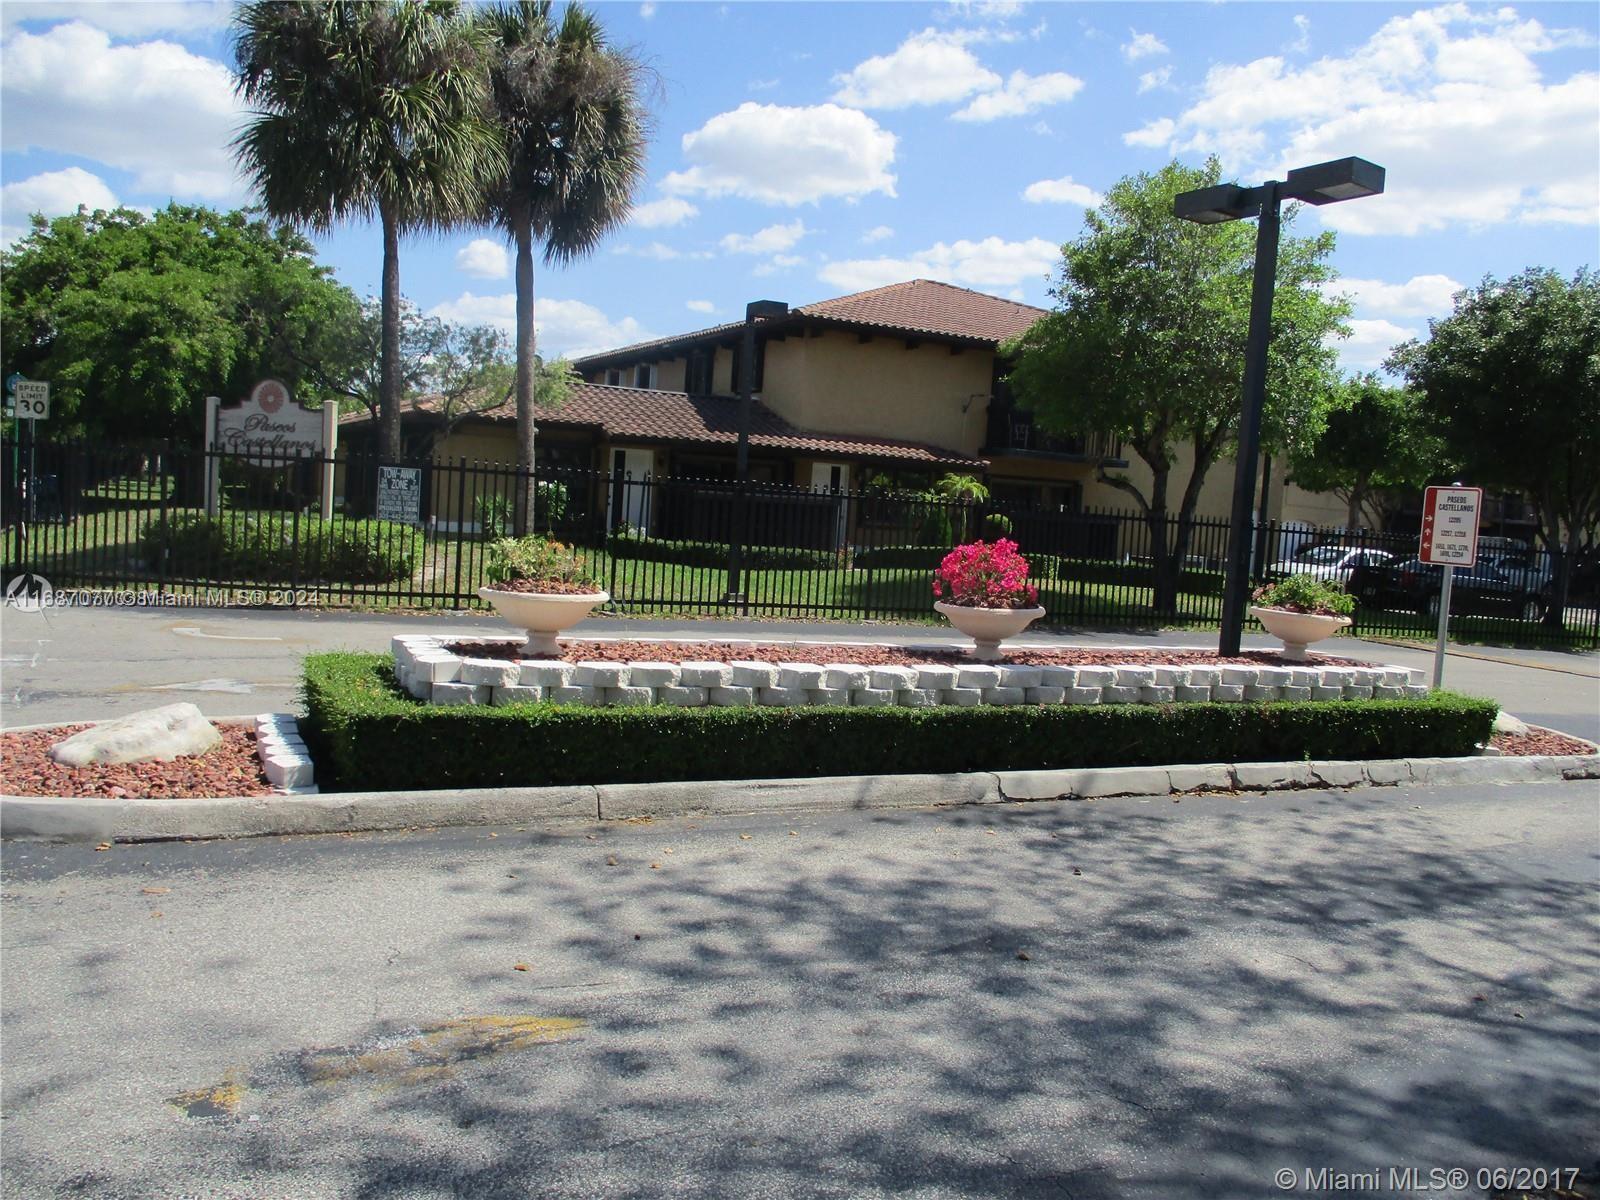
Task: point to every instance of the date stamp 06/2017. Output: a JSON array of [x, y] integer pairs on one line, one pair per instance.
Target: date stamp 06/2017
[[1435, 1181]]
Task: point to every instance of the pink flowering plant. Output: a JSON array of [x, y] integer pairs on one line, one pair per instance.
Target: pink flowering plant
[[985, 575]]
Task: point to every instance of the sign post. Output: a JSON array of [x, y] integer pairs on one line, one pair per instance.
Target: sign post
[[32, 403], [1449, 540]]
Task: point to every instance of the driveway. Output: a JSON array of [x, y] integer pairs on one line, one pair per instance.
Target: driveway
[[89, 664], [1106, 999]]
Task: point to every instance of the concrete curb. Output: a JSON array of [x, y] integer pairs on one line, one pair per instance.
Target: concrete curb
[[33, 817]]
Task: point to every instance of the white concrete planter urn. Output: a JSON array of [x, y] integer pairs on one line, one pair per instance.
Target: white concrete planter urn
[[988, 627], [543, 614], [1297, 630]]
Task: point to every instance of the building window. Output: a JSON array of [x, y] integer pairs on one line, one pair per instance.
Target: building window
[[697, 372], [614, 376], [644, 375]]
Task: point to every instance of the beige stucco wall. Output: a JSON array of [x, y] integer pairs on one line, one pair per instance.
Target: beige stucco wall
[[838, 384]]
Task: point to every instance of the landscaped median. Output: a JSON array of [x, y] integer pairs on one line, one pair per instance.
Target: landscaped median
[[366, 733]]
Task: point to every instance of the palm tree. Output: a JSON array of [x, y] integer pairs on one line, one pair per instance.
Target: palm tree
[[571, 113], [363, 108]]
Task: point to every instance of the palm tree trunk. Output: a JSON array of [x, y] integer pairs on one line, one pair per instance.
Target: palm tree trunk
[[389, 375], [525, 368]]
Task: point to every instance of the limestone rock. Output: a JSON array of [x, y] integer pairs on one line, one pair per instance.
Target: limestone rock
[[171, 731]]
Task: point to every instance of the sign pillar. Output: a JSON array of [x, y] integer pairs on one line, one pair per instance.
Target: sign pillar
[[330, 443], [1444, 621], [1449, 540]]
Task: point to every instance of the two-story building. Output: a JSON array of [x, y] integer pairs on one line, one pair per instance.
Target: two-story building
[[913, 361], [897, 385]]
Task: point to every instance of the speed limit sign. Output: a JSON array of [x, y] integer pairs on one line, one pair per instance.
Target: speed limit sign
[[33, 400]]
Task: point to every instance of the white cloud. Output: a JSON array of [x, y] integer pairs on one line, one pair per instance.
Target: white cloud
[[877, 233], [153, 109], [990, 263], [1142, 45], [1370, 341], [1302, 43], [1151, 80], [763, 85], [930, 67], [778, 262], [1061, 191], [1042, 128], [122, 20], [662, 214], [569, 327], [483, 259], [700, 306], [647, 10], [1023, 93], [1425, 95], [659, 251], [1156, 133], [1419, 296], [53, 193], [1375, 301], [986, 10], [765, 241], [781, 155]]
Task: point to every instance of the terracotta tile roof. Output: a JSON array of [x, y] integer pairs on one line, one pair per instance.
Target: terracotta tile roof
[[925, 306], [647, 415], [917, 306]]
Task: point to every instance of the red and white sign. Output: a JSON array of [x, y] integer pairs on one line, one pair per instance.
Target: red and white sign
[[1450, 525]]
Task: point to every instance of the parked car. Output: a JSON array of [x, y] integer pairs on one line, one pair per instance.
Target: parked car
[[1334, 563], [1514, 589]]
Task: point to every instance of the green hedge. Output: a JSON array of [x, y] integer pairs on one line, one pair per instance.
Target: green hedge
[[272, 547], [366, 734], [715, 554], [1042, 566]]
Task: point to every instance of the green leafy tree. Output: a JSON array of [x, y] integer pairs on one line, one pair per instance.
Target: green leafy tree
[[1378, 440], [1146, 344], [1512, 377], [367, 109], [134, 320], [463, 369], [570, 110]]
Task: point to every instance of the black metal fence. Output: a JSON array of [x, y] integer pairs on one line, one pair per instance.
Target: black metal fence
[[136, 519]]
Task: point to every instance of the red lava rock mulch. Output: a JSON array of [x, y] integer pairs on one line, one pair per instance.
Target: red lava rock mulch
[[1538, 741], [232, 769], [872, 655]]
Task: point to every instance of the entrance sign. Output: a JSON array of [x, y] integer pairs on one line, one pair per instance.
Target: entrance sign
[[1450, 526], [33, 400], [400, 494], [269, 425], [264, 429], [1449, 540]]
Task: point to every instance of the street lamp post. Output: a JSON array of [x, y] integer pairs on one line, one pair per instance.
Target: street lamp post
[[1324, 183], [756, 310]]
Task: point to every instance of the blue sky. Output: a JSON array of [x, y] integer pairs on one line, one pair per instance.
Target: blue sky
[[809, 150]]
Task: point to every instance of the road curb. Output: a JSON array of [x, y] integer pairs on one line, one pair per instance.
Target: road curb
[[46, 818]]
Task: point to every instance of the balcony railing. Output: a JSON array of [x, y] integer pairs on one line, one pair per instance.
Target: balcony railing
[[1011, 432]]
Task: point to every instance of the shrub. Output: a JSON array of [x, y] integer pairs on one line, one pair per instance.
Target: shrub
[[365, 733], [642, 547], [496, 513], [985, 575], [1306, 594], [996, 526], [278, 547], [536, 559]]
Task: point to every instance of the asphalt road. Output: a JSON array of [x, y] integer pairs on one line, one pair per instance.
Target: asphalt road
[[90, 664], [1106, 999]]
